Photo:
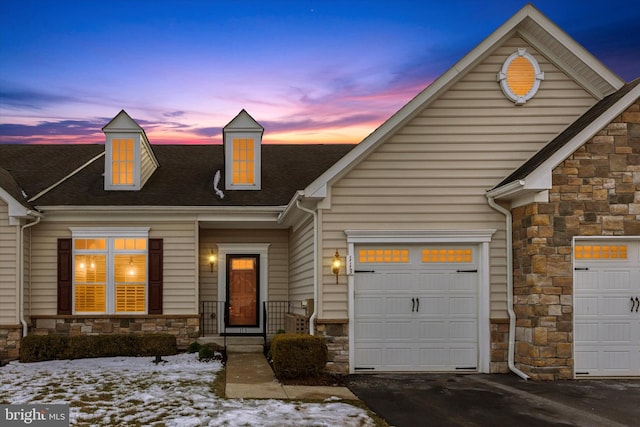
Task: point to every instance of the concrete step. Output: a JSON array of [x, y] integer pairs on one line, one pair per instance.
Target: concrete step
[[242, 344]]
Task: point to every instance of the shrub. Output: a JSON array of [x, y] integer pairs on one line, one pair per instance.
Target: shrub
[[206, 353], [298, 355], [194, 347], [36, 348]]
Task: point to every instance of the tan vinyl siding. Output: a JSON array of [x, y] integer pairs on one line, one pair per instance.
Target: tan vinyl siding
[[433, 173], [8, 268], [179, 241], [301, 264], [147, 167], [278, 275]]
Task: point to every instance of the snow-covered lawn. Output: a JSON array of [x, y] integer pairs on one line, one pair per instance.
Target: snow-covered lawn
[[133, 391]]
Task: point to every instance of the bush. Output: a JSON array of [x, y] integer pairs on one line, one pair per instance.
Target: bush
[[298, 355], [37, 348], [194, 347], [206, 353]]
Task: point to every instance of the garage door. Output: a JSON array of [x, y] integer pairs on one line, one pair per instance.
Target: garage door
[[607, 308], [416, 308]]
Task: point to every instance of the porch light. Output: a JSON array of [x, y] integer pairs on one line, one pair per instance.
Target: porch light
[[336, 264], [212, 259]]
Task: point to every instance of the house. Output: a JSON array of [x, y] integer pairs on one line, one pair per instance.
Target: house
[[491, 225]]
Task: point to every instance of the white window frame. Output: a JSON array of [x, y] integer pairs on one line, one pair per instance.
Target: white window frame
[[257, 159], [110, 234], [538, 77], [108, 172]]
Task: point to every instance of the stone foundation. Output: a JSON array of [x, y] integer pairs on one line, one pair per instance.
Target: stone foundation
[[10, 342], [336, 335], [185, 328], [499, 346]]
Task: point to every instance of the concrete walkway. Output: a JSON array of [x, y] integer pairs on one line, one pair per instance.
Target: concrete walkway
[[250, 376]]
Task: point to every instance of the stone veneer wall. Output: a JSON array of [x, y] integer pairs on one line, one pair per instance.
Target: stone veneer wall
[[336, 335], [10, 342], [499, 346], [185, 328], [596, 192]]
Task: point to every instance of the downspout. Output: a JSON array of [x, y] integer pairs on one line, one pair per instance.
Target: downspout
[[25, 328], [512, 314], [314, 315]]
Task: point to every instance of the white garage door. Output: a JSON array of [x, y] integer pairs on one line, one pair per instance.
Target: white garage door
[[607, 308], [416, 308]]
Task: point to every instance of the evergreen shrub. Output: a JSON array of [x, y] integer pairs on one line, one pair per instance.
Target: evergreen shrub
[[298, 355], [38, 348]]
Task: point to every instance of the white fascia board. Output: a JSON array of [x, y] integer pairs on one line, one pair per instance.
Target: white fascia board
[[540, 179], [420, 236], [291, 207], [221, 214], [574, 47], [16, 209], [506, 190], [318, 188]]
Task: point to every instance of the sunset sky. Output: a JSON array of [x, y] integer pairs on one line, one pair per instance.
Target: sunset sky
[[308, 71]]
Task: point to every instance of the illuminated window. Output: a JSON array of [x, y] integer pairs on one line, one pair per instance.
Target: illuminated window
[[601, 252], [242, 263], [110, 275], [447, 255], [520, 77], [122, 161], [383, 255], [243, 161]]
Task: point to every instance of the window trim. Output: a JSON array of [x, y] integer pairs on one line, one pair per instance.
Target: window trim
[[110, 234], [230, 136], [108, 172], [538, 76]]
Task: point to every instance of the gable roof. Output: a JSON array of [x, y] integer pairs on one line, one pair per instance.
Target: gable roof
[[580, 131], [185, 178], [528, 23]]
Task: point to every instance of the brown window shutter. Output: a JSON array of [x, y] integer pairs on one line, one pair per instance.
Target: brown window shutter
[[65, 276], [155, 276]]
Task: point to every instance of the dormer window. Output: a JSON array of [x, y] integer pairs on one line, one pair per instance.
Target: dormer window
[[242, 139], [129, 160], [243, 161], [122, 161]]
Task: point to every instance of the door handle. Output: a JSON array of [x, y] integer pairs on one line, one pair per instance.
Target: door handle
[[418, 305], [413, 304], [633, 304], [638, 304]]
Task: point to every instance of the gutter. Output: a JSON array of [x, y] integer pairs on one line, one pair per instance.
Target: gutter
[[314, 315], [512, 314], [25, 328]]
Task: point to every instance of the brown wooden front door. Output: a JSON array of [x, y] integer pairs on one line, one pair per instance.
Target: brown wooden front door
[[242, 290]]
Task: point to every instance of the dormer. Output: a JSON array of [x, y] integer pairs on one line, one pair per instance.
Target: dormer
[[242, 139], [129, 160]]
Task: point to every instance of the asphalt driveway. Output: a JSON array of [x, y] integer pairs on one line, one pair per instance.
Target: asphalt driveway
[[410, 400]]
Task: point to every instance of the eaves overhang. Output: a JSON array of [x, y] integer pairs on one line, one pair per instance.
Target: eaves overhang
[[247, 215]]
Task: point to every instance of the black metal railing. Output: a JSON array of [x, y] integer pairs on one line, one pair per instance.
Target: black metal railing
[[211, 312]]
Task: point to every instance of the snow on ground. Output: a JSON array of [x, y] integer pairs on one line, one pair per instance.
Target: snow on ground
[[122, 391]]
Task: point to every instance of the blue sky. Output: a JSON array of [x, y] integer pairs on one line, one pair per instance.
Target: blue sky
[[308, 71]]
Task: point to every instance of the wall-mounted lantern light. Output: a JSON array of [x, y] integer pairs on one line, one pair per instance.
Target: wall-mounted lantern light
[[336, 264], [212, 259]]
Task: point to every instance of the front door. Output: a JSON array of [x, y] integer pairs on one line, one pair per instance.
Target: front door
[[242, 290]]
